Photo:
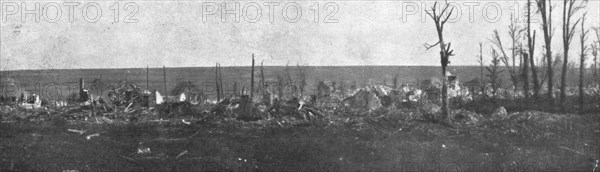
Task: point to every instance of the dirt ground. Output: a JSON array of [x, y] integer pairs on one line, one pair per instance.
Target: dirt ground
[[525, 141]]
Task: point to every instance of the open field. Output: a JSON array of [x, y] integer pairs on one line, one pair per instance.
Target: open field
[[530, 141]]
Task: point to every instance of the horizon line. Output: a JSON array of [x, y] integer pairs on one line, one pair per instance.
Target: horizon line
[[12, 70]]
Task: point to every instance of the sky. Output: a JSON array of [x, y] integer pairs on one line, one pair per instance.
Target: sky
[[136, 34]]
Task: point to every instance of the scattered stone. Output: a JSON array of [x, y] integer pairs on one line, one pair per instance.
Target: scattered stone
[[499, 114], [93, 135], [465, 117], [363, 99], [430, 111]]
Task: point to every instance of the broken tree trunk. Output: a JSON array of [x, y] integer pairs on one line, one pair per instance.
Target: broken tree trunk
[[217, 82], [252, 80], [481, 84], [252, 86], [81, 92], [147, 88], [531, 48], [525, 73], [582, 62], [222, 93], [165, 83], [262, 78]]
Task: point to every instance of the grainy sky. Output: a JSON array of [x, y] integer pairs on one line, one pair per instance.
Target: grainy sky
[[195, 33]]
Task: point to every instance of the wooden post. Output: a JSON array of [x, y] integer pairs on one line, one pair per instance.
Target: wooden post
[[201, 94], [217, 82], [147, 88], [81, 85], [262, 78], [189, 96], [165, 82], [252, 86], [252, 80], [222, 93]]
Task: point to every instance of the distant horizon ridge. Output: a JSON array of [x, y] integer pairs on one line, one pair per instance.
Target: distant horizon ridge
[[156, 67]]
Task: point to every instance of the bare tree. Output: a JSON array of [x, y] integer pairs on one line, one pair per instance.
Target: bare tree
[[222, 91], [263, 86], [545, 10], [481, 68], [217, 82], [584, 49], [569, 10], [302, 79], [595, 49], [531, 48], [445, 51], [252, 80], [494, 73], [514, 33], [525, 72], [290, 83]]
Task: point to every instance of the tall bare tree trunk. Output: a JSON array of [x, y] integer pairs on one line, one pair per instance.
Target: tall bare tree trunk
[[548, 41], [252, 88], [531, 47], [546, 14], [481, 69], [595, 49], [582, 62], [525, 73], [596, 64], [252, 80], [567, 34], [445, 51], [515, 36], [563, 76], [581, 76]]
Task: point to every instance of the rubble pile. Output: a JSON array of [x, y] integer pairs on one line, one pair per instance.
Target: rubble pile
[[329, 106], [127, 95], [364, 98]]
